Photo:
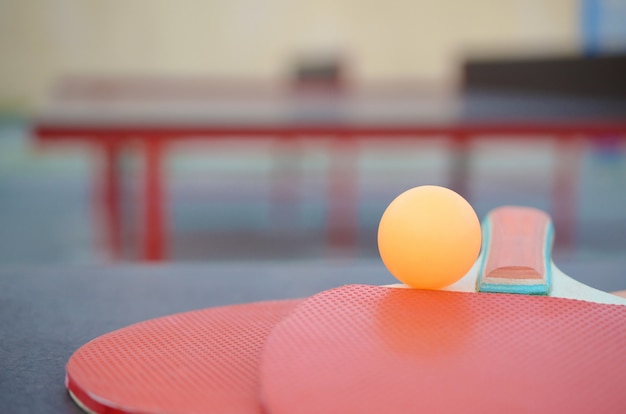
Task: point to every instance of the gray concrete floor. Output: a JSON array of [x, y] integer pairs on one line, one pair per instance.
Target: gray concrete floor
[[220, 205]]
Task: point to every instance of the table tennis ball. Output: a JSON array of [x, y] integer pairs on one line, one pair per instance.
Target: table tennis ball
[[429, 237]]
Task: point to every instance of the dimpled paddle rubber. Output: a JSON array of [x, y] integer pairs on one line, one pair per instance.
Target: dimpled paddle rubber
[[366, 349], [200, 361]]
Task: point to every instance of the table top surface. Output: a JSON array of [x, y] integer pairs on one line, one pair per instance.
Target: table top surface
[[185, 104], [47, 313]]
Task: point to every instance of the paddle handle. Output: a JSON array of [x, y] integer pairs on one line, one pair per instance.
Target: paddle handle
[[517, 242]]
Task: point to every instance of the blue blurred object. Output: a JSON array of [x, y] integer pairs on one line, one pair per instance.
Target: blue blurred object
[[603, 26]]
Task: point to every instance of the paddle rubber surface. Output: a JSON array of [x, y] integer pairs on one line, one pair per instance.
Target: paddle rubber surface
[[200, 361], [366, 349]]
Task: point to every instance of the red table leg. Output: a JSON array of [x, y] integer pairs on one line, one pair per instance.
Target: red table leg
[[460, 168], [154, 200], [285, 181], [108, 200], [565, 193], [343, 220]]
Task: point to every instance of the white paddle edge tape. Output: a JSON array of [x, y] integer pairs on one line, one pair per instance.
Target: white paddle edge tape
[[80, 404], [563, 286]]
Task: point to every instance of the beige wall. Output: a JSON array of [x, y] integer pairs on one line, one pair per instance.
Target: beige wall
[[423, 39]]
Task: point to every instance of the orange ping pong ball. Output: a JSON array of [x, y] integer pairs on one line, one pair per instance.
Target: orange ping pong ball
[[429, 237]]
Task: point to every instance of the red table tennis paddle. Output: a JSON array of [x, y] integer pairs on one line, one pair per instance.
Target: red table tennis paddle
[[200, 361], [367, 349]]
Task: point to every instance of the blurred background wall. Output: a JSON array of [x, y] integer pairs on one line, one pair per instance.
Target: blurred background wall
[[218, 193], [41, 40]]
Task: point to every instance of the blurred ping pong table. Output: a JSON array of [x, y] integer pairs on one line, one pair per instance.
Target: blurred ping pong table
[[110, 113]]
